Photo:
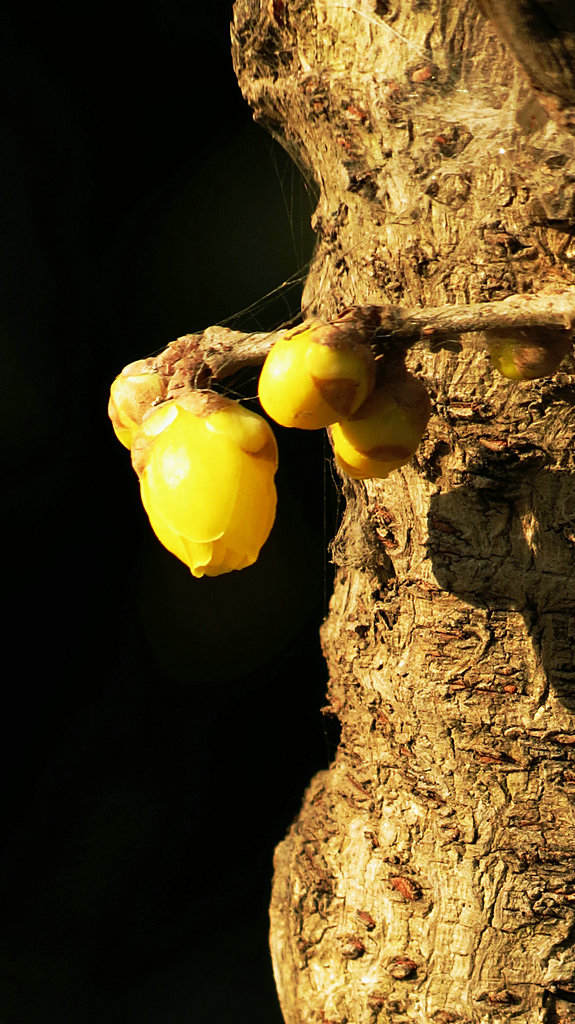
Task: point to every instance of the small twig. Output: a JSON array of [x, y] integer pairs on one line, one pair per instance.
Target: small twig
[[220, 352], [550, 311]]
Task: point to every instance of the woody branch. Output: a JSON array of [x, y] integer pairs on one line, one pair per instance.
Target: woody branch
[[219, 352]]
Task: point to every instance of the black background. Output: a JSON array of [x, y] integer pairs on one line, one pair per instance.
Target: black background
[[157, 731]]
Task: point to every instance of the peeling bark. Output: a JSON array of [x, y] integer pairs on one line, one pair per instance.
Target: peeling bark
[[430, 875]]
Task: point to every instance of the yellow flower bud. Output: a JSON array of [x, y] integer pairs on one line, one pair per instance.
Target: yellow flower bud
[[206, 467], [384, 433], [527, 353], [132, 394], [315, 375]]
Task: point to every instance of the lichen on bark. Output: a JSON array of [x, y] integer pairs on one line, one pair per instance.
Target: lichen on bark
[[430, 873]]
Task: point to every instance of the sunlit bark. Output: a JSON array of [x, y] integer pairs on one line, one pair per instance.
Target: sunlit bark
[[430, 875]]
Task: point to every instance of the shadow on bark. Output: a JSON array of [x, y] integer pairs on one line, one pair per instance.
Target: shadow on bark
[[506, 542]]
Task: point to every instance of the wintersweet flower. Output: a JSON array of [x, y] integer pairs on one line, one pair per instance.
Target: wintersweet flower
[[132, 395], [384, 433], [315, 375], [206, 466], [529, 352]]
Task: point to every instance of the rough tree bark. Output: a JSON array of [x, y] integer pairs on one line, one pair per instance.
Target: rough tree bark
[[430, 875]]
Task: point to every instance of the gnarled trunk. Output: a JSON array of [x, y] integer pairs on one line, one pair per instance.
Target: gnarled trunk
[[430, 875]]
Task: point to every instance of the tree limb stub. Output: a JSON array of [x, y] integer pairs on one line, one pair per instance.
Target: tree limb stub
[[218, 352]]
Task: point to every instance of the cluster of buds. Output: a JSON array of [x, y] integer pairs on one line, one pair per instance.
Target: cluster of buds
[[206, 464], [206, 467], [323, 375]]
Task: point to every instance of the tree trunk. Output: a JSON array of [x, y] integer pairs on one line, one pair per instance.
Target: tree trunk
[[430, 875]]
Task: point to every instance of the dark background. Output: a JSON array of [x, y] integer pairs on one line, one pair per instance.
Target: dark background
[[157, 731]]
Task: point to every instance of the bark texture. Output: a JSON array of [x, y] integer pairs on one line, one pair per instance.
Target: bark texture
[[430, 875]]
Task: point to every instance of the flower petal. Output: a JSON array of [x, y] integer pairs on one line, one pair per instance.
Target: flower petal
[[192, 478], [254, 509], [249, 431]]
